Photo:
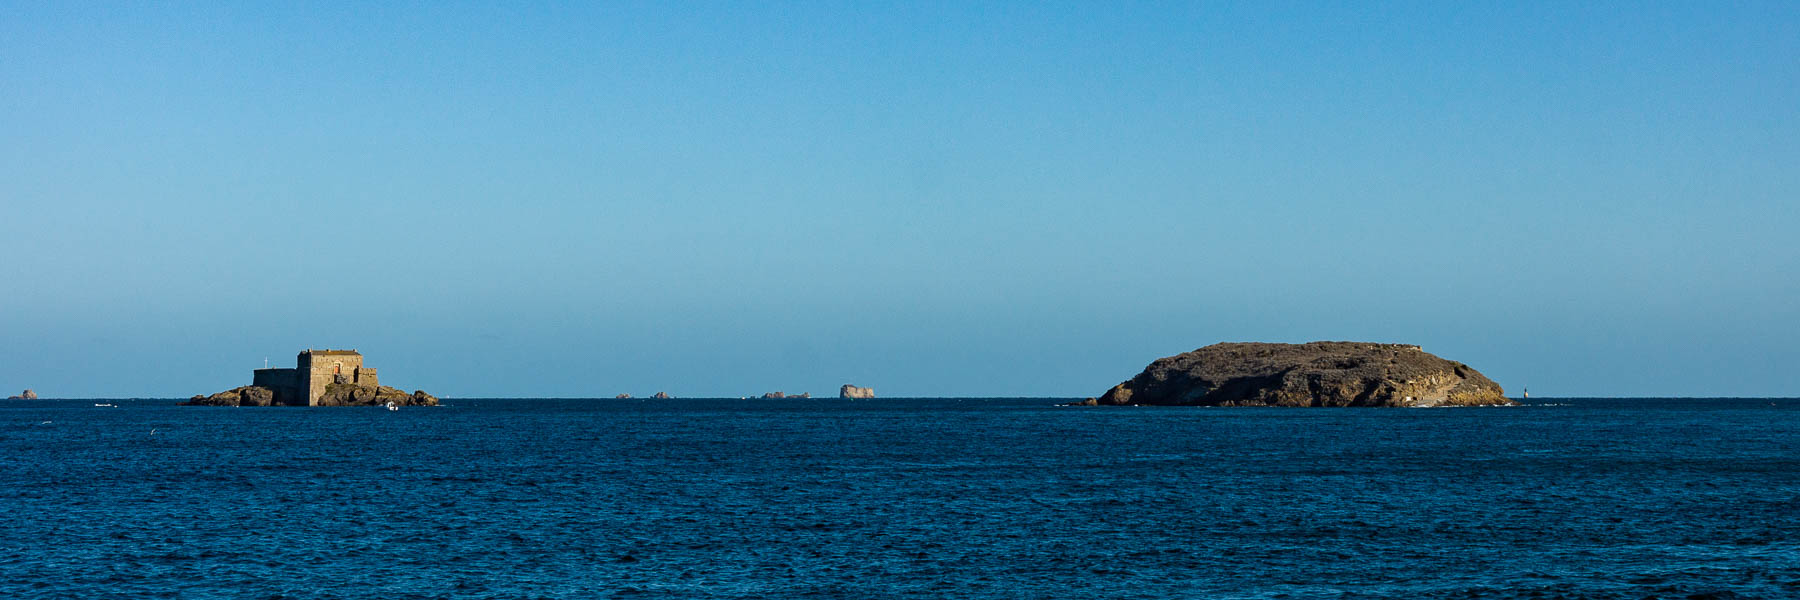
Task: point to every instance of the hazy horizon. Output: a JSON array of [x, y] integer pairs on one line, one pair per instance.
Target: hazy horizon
[[999, 199]]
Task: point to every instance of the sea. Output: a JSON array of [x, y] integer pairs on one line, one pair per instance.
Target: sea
[[900, 498]]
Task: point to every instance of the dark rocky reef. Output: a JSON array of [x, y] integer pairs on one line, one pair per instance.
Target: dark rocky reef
[[27, 395], [1312, 374], [661, 396], [774, 395], [337, 394], [851, 391]]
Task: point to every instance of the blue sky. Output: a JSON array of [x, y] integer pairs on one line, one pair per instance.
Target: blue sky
[[1011, 199]]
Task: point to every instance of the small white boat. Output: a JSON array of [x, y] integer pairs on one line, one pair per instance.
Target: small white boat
[[107, 405], [392, 406]]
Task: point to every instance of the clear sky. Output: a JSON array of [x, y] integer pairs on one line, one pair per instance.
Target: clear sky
[[956, 199]]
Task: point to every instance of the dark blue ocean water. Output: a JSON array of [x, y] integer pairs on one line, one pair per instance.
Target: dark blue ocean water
[[900, 499]]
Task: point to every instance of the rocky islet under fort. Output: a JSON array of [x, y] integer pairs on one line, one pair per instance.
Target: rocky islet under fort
[[322, 378]]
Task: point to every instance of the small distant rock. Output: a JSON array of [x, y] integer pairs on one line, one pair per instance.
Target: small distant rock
[[851, 391], [662, 396], [622, 397], [27, 395], [773, 395]]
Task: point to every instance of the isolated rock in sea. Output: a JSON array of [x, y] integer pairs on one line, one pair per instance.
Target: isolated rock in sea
[[661, 396], [622, 397], [1312, 374], [27, 395], [771, 395], [851, 391]]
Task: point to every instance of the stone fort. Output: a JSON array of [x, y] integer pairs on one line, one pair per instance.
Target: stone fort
[[302, 386]]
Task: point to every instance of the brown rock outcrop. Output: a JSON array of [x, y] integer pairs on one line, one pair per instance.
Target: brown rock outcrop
[[248, 395], [27, 395], [1312, 374], [851, 391], [340, 394]]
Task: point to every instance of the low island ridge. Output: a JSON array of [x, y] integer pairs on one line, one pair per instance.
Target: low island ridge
[[1310, 374]]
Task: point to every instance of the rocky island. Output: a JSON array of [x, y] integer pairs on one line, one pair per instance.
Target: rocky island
[[323, 378], [27, 395], [1311, 374], [851, 391]]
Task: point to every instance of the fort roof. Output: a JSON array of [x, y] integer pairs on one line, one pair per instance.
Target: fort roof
[[334, 352]]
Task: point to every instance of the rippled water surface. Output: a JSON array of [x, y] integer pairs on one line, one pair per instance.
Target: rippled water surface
[[900, 499]]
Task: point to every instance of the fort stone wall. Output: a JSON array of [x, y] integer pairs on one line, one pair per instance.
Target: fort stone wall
[[275, 378], [286, 383], [320, 368], [366, 377]]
